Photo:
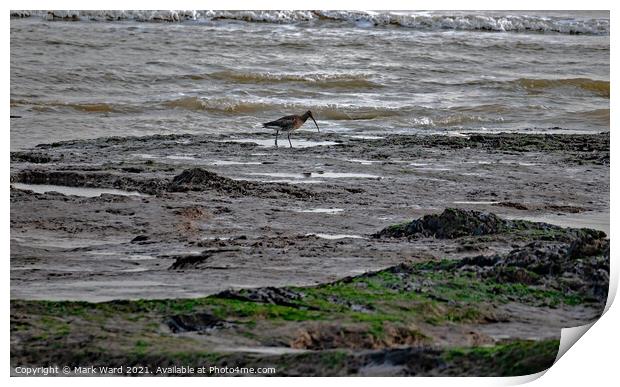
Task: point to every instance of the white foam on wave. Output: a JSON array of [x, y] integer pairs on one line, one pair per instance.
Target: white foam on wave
[[417, 20]]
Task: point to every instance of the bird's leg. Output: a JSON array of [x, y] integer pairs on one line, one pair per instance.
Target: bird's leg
[[277, 131], [289, 139]]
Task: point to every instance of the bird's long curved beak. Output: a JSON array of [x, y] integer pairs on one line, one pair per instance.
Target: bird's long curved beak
[[317, 125]]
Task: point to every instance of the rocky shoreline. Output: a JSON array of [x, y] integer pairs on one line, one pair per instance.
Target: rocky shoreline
[[404, 255]]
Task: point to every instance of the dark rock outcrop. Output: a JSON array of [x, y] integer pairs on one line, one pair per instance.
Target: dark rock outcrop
[[195, 179], [267, 295], [452, 223], [151, 186], [140, 238], [194, 322], [581, 267], [198, 261], [578, 148], [31, 157], [198, 179], [457, 223]]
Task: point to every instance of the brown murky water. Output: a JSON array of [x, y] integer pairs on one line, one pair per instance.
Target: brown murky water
[[361, 73]]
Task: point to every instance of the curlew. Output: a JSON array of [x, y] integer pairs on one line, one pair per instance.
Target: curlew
[[290, 123]]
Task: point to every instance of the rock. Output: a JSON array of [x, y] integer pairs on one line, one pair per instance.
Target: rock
[[452, 223], [457, 223], [67, 178], [195, 179], [581, 266], [565, 209], [152, 186], [538, 257], [589, 243], [196, 261], [516, 275], [139, 238], [354, 306], [328, 336], [577, 148], [516, 206], [198, 179], [132, 169], [194, 322], [268, 295], [29, 157], [479, 260]]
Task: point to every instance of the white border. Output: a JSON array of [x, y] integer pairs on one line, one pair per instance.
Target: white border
[[592, 361]]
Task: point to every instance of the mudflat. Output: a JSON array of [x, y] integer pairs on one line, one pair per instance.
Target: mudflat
[[397, 255]]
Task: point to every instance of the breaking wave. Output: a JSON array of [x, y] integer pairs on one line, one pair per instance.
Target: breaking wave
[[222, 106], [329, 112], [416, 116], [216, 105], [600, 88], [99, 107], [453, 120], [597, 115], [422, 21], [538, 85], [317, 79]]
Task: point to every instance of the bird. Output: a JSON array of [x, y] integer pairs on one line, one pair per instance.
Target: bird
[[290, 123]]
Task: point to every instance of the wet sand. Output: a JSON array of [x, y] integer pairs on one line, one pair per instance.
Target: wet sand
[[305, 219], [402, 255]]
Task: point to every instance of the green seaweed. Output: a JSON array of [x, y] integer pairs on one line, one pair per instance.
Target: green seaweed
[[385, 308], [516, 358]]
